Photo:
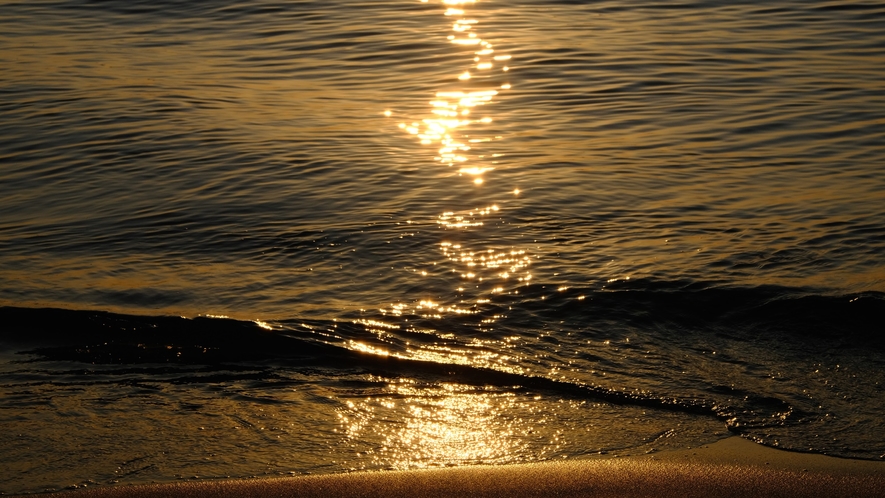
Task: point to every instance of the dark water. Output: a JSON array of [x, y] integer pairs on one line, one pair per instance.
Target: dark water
[[444, 233]]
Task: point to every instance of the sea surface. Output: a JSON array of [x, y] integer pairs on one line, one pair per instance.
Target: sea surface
[[265, 237]]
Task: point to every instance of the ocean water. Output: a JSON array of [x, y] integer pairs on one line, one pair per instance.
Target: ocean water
[[263, 238]]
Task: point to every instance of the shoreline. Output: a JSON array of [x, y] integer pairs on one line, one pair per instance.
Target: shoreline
[[732, 467]]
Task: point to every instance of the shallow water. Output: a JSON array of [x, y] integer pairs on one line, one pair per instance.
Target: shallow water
[[633, 225]]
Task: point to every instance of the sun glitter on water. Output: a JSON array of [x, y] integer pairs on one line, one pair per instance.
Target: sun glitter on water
[[455, 425], [455, 109], [458, 123]]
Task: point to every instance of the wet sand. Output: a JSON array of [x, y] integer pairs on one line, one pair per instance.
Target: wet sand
[[729, 468]]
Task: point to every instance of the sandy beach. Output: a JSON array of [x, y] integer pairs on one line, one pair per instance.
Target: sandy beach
[[732, 467]]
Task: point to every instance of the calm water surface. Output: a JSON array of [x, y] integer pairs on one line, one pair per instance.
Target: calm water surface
[[445, 233]]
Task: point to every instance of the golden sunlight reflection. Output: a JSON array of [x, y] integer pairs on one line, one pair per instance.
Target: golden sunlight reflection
[[454, 110], [476, 354], [449, 424], [459, 127], [408, 424], [505, 264], [365, 348], [483, 272]]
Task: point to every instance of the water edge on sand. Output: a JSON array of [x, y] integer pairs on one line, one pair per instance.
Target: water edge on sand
[[732, 467]]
